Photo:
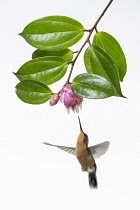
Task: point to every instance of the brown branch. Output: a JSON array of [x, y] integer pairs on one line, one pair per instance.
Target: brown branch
[[87, 40]]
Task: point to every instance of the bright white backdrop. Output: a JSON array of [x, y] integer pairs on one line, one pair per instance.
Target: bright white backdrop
[[34, 176]]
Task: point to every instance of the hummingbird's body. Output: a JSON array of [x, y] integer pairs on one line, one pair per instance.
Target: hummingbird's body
[[86, 155], [83, 154]]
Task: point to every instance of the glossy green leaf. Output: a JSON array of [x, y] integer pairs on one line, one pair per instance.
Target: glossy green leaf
[[66, 54], [33, 92], [92, 86], [45, 69], [113, 48], [53, 33], [98, 62]]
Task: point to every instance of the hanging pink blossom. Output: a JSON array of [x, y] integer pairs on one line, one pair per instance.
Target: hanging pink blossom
[[70, 100]]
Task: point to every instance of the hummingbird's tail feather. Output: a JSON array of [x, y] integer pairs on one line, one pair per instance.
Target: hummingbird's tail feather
[[92, 180]]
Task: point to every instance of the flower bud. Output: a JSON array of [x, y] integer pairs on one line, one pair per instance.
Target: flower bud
[[54, 100]]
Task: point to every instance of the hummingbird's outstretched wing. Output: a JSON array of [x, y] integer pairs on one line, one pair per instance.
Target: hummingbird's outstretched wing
[[99, 149], [70, 150]]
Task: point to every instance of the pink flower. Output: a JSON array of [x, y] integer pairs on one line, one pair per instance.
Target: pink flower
[[70, 100], [54, 100]]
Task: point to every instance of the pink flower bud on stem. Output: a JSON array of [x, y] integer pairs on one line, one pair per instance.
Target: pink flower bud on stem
[[54, 100]]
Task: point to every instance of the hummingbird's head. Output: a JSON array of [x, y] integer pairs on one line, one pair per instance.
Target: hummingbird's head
[[85, 136]]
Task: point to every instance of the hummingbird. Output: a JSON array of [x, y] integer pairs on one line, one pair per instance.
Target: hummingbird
[[86, 155]]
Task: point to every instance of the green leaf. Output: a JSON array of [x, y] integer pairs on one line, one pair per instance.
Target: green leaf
[[45, 69], [98, 62], [113, 48], [33, 92], [66, 54], [92, 86], [53, 33]]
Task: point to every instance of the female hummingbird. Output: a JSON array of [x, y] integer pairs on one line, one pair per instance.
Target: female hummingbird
[[86, 155]]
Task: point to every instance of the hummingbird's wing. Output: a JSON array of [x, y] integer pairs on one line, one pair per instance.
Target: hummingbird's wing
[[99, 149], [70, 150]]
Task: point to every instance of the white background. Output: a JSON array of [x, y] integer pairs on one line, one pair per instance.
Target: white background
[[34, 176]]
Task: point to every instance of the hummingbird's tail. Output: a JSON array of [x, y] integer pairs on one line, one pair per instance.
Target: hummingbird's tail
[[92, 180]]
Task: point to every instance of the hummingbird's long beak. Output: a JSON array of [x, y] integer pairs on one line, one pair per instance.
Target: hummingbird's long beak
[[80, 124]]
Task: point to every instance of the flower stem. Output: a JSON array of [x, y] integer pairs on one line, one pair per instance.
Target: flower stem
[[87, 40]]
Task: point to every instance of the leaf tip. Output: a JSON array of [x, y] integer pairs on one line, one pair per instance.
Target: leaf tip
[[124, 97], [20, 34], [14, 73]]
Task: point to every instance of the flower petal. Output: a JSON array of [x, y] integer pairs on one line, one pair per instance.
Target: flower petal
[[62, 97], [79, 99], [80, 105], [75, 108], [68, 100]]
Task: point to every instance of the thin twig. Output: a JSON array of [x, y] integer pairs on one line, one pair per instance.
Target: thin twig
[[87, 40], [96, 29], [74, 52]]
